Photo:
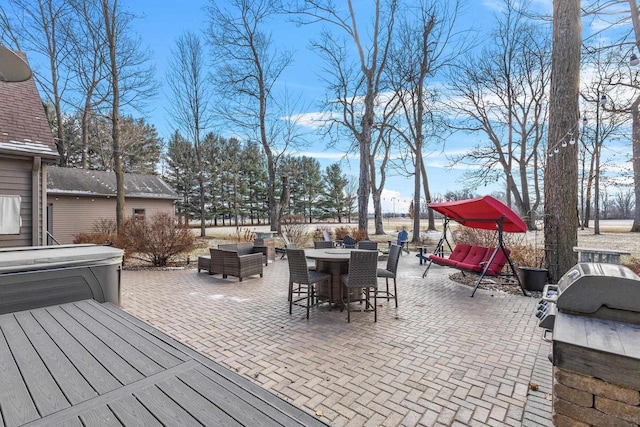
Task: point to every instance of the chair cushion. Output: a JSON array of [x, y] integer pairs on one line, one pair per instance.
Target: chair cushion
[[443, 261], [473, 259], [316, 276], [382, 272], [496, 265], [460, 252]]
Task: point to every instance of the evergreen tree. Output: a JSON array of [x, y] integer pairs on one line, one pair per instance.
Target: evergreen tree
[[333, 200], [180, 173]]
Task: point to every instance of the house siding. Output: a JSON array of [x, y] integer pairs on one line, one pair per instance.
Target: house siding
[[15, 180], [74, 215]]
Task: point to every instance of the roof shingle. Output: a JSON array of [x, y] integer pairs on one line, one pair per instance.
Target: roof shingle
[[23, 123], [73, 181]]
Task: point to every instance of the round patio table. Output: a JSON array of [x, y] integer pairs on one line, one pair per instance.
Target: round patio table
[[335, 262]]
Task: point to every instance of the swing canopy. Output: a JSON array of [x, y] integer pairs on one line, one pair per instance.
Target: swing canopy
[[482, 212]]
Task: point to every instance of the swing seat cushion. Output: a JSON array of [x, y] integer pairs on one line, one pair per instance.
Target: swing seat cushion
[[496, 265], [474, 257], [458, 254]]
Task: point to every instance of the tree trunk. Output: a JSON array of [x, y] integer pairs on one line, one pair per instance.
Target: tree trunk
[[561, 178], [377, 208], [635, 113], [427, 198]]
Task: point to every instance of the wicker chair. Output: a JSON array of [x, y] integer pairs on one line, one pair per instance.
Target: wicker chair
[[245, 249], [363, 266], [305, 279], [233, 263], [348, 242], [390, 272], [368, 245], [323, 244]]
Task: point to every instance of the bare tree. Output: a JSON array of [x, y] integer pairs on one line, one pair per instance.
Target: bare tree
[[86, 60], [247, 69], [38, 26], [607, 118], [561, 177], [503, 94], [614, 8], [354, 88], [190, 104], [425, 44], [129, 81]]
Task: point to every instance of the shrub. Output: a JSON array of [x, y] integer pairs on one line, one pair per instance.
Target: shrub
[[522, 253], [295, 228], [341, 232], [95, 238], [156, 239], [243, 235], [105, 226]]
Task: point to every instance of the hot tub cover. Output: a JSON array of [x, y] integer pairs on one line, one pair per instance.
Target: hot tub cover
[[48, 257]]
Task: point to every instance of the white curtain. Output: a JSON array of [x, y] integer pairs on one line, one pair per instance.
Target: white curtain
[[10, 220]]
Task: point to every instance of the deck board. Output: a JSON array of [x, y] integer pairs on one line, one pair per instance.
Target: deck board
[[165, 409], [100, 379], [115, 364], [15, 401], [46, 395], [131, 412], [71, 382], [127, 351], [201, 409], [99, 366]]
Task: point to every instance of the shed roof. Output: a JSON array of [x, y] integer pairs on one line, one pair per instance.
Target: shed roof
[[24, 128], [482, 212], [84, 182]]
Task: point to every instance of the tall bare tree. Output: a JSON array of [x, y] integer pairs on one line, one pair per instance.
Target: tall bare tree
[[354, 88], [247, 67], [425, 44], [503, 94], [190, 104], [38, 26], [130, 81], [561, 177], [86, 60]]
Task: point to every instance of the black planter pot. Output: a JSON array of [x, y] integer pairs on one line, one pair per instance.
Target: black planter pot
[[533, 278]]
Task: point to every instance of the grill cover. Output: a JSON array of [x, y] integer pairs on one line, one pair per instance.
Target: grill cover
[[587, 287]]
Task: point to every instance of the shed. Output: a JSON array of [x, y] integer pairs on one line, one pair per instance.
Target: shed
[[27, 148], [78, 198]]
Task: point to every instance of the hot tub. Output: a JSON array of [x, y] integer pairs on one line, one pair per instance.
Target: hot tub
[[32, 277]]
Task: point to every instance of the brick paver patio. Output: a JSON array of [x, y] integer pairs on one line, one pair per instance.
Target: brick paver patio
[[441, 358]]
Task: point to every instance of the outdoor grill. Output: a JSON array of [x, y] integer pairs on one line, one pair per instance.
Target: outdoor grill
[[604, 291], [593, 315]]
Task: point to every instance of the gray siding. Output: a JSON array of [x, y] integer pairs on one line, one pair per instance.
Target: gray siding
[[15, 179]]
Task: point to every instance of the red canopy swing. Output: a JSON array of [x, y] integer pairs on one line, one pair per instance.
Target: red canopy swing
[[485, 213]]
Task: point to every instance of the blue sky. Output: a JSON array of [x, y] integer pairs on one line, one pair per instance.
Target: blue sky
[[161, 22]]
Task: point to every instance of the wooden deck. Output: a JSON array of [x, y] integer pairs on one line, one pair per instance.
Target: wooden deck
[[87, 363]]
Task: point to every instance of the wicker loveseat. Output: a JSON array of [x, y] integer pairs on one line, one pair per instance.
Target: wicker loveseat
[[235, 260]]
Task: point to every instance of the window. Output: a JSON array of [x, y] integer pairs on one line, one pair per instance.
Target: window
[[139, 214]]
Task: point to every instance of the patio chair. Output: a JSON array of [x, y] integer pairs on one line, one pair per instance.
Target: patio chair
[[390, 272], [304, 278], [368, 245], [232, 263], [348, 242], [362, 277], [403, 241], [246, 249], [287, 242], [322, 244], [327, 237]]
